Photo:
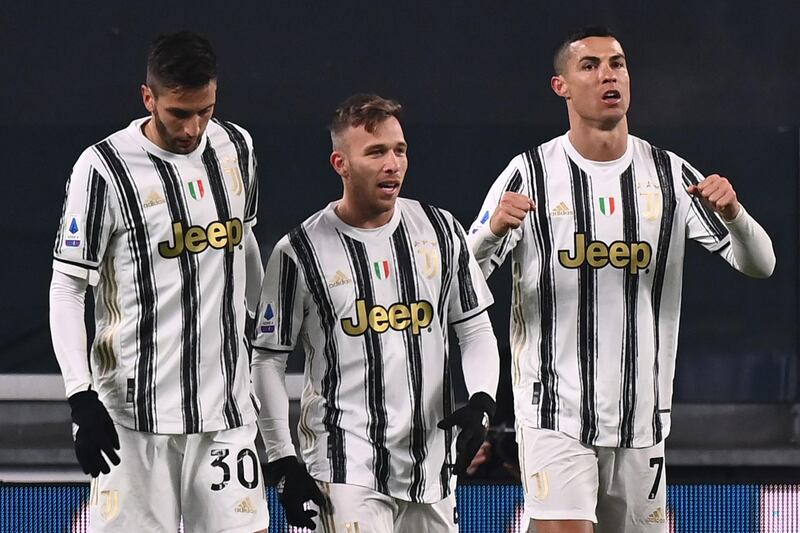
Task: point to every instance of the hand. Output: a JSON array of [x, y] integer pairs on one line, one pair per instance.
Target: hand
[[96, 433], [295, 487], [510, 212], [470, 419], [717, 193]]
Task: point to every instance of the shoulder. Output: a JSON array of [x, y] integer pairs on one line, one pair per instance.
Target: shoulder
[[430, 214], [224, 129]]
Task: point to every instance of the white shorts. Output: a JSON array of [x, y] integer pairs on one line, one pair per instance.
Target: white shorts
[[620, 489], [213, 480], [355, 509]]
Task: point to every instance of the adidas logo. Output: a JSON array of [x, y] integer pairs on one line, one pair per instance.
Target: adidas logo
[[657, 517], [153, 199], [561, 210], [339, 279], [245, 506]]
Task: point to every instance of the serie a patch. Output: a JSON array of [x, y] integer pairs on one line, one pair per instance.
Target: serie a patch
[[73, 229]]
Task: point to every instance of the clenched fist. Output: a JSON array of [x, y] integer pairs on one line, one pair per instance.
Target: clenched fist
[[717, 193], [510, 212]]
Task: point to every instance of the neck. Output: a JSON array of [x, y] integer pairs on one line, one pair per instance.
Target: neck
[[355, 216], [599, 144], [149, 131]]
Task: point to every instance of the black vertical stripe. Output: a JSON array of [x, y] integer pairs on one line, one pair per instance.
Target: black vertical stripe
[[243, 154], [242, 150], [138, 240], [514, 185], [406, 276], [331, 379], [375, 389], [466, 289], [444, 238], [548, 403], [668, 205], [190, 299], [711, 222], [630, 348], [587, 304], [59, 244], [230, 336], [95, 214], [288, 277]]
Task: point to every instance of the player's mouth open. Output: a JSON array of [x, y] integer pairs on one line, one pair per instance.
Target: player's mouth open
[[389, 186], [612, 96]]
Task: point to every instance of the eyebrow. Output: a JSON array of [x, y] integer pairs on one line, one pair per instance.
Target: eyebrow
[[189, 111], [596, 59], [384, 146]]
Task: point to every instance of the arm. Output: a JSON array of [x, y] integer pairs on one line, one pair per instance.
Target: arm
[[750, 250], [269, 382], [277, 330], [68, 330], [499, 226], [480, 359], [481, 363], [95, 430]]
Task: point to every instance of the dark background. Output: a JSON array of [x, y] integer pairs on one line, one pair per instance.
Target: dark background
[[716, 82]]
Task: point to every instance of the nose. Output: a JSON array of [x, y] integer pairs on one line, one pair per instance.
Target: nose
[[607, 73], [391, 164], [191, 127]]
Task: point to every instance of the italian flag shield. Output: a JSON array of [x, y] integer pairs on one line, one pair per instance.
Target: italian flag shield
[[607, 205]]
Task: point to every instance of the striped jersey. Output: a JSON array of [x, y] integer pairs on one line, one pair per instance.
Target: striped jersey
[[596, 270], [160, 238], [371, 307]]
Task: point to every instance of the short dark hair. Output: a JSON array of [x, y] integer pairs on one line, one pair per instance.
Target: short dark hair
[[366, 110], [560, 57], [183, 59]]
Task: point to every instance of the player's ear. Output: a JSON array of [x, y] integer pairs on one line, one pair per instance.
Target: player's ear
[[559, 86], [148, 98], [339, 164]]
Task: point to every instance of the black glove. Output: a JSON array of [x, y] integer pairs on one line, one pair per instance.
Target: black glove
[[96, 433], [295, 487], [470, 419]]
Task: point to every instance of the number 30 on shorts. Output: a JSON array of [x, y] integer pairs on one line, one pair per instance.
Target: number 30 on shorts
[[246, 468]]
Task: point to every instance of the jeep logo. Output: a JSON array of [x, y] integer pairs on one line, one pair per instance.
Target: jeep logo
[[196, 239], [597, 254], [399, 317]]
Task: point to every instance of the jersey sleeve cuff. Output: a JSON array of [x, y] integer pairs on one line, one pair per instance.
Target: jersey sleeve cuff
[[90, 274]]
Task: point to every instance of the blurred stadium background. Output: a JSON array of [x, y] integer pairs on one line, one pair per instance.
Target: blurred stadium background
[[716, 82]]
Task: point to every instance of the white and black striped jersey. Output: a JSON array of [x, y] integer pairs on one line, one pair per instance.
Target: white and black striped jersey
[[596, 270], [371, 308], [160, 236]]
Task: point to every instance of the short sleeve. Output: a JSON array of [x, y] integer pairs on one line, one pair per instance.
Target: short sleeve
[[490, 250], [469, 293], [702, 224], [281, 306], [87, 222]]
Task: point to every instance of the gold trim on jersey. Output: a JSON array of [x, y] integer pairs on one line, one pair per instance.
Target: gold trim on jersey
[[104, 354]]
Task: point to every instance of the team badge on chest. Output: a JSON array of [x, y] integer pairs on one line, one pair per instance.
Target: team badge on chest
[[196, 189], [381, 269], [650, 205], [430, 258], [606, 205]]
